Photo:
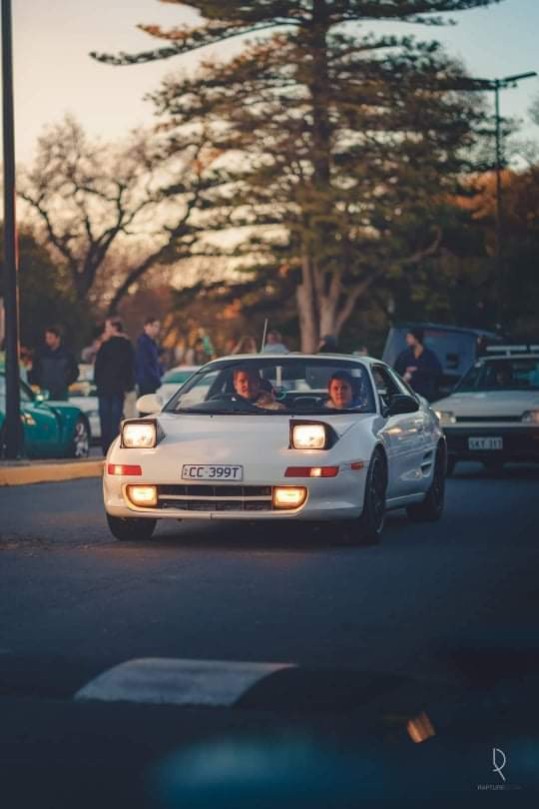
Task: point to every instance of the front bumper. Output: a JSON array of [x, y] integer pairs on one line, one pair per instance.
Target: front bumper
[[327, 499], [520, 443]]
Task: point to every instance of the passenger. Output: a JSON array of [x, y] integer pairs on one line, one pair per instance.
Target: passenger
[[343, 391], [249, 385]]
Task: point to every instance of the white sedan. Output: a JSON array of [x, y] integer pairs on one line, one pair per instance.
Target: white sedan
[[493, 414], [296, 437]]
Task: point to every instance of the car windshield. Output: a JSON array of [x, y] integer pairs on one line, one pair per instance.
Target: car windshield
[[502, 374], [277, 386]]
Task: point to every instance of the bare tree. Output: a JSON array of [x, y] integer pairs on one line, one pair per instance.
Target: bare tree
[[89, 198]]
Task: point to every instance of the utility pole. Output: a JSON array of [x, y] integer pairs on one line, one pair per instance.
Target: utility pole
[[13, 438]]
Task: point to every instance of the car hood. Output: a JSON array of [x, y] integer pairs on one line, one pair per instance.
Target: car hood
[[489, 403], [232, 430]]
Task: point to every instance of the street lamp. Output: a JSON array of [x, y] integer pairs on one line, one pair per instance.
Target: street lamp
[[13, 432], [495, 85]]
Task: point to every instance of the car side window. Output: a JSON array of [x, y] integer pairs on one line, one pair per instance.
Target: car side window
[[402, 385]]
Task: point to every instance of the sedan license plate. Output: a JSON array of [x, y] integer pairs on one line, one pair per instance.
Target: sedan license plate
[[485, 443], [212, 472]]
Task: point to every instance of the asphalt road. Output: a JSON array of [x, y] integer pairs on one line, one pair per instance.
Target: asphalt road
[[74, 602]]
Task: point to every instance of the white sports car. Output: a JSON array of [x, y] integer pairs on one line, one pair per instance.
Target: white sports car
[[280, 437]]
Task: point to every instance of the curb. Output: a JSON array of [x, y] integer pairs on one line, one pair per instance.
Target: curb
[[36, 472]]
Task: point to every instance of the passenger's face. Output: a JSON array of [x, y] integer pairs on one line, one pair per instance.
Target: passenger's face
[[247, 385], [340, 393]]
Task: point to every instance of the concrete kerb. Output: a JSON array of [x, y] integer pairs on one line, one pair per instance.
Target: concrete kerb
[[22, 473]]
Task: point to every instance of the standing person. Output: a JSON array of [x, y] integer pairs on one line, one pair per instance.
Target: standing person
[[54, 367], [148, 371], [114, 375], [419, 366], [274, 343]]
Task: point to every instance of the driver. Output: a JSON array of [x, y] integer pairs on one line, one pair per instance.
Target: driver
[[249, 386], [342, 391]]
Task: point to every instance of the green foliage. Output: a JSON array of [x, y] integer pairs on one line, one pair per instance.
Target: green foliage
[[337, 150]]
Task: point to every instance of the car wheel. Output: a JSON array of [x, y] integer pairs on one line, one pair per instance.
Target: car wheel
[[451, 463], [131, 529], [367, 529], [80, 439], [432, 507]]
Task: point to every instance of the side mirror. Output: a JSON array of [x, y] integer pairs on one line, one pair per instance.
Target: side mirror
[[148, 404], [402, 404]]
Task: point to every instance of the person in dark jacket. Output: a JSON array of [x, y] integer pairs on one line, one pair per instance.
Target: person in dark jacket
[[419, 366], [54, 368], [148, 369], [114, 375]]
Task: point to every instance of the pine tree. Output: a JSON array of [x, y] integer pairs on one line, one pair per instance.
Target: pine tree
[[333, 144]]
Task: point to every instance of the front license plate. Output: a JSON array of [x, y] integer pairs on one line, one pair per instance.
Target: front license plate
[[485, 443], [212, 472]]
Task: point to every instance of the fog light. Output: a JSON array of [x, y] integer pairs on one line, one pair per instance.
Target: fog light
[[142, 495], [289, 496]]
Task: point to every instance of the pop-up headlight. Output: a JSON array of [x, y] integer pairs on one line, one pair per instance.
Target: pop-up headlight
[[306, 435], [143, 434]]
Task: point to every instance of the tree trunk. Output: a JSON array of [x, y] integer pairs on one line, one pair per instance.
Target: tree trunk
[[308, 320]]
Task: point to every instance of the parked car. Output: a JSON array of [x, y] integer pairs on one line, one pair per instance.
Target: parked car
[[83, 394], [173, 379], [257, 437], [456, 348], [493, 414], [51, 429]]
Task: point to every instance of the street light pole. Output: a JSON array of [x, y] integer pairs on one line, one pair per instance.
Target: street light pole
[[12, 434], [496, 85]]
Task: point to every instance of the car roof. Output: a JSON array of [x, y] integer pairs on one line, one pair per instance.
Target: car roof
[[294, 355], [501, 357]]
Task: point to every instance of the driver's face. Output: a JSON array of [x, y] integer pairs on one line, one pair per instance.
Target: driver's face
[[340, 393], [247, 385]]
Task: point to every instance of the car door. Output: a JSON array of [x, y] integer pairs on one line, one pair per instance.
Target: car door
[[403, 436]]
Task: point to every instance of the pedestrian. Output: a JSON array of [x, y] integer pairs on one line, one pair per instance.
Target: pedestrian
[[114, 376], [148, 370], [54, 367], [419, 365], [274, 343], [328, 345]]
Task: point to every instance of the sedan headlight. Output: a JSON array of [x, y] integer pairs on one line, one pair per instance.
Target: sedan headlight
[[309, 436], [445, 417], [139, 434], [531, 417]]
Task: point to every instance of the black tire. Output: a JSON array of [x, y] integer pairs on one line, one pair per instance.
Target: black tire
[[432, 507], [131, 529], [451, 463], [367, 529], [80, 439]]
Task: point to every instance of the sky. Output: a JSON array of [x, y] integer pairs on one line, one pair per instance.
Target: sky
[[54, 74]]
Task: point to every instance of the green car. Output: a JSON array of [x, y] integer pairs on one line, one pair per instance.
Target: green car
[[51, 429]]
